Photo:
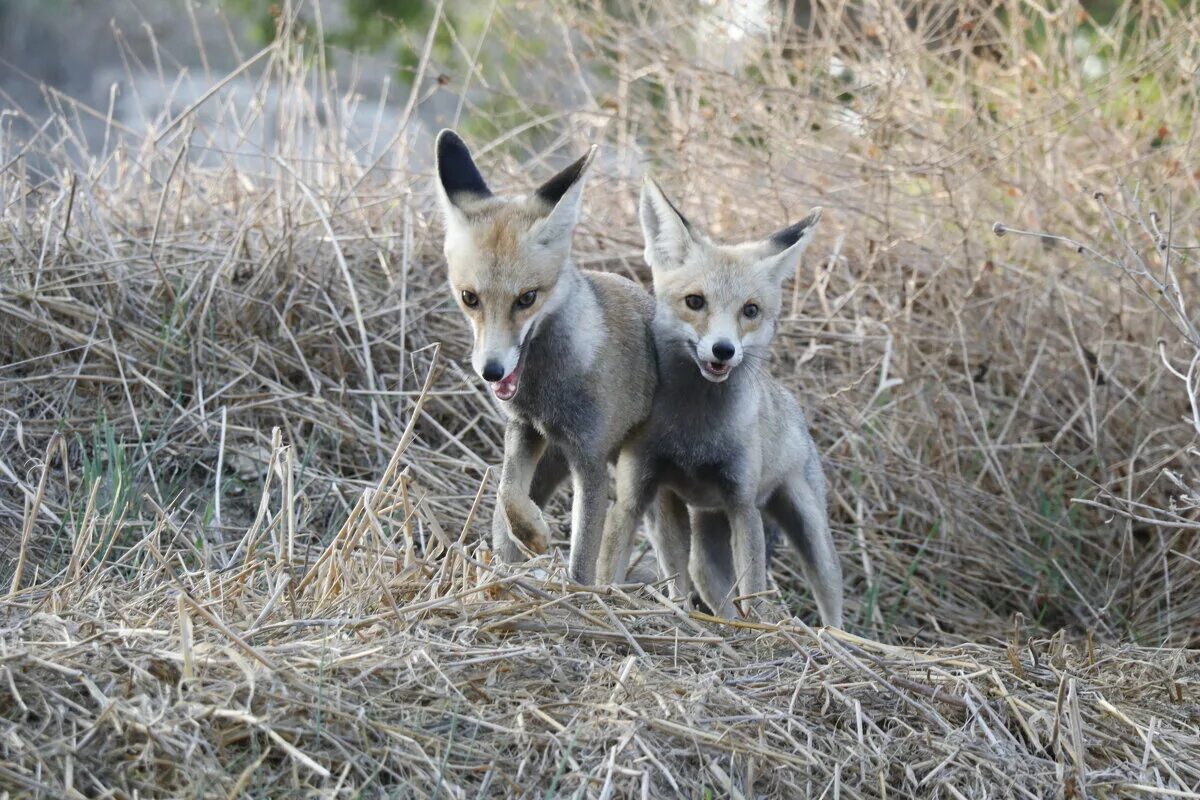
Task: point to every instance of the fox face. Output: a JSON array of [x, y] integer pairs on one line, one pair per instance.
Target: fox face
[[507, 258], [720, 301]]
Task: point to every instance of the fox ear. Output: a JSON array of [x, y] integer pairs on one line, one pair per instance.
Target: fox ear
[[668, 235], [458, 178], [783, 248], [563, 194]]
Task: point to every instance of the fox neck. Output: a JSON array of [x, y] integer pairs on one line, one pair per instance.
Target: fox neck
[[566, 293], [697, 421], [570, 327]]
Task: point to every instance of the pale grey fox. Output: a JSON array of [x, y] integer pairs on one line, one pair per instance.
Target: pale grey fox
[[724, 438]]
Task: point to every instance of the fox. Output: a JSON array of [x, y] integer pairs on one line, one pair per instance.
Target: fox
[[567, 353], [724, 442]]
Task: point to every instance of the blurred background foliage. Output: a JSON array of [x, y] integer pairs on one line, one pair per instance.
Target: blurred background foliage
[[395, 31], [380, 25], [67, 44], [395, 27], [387, 27]]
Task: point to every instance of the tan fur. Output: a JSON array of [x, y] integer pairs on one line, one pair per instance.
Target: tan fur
[[728, 281]]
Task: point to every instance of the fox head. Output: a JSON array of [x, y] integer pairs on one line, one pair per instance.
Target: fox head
[[508, 257], [722, 300]]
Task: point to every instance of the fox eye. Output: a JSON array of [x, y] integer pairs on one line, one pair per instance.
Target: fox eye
[[470, 299], [526, 299], [694, 301], [750, 310]]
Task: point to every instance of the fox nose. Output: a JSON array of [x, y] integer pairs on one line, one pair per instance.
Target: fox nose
[[723, 350], [493, 371]]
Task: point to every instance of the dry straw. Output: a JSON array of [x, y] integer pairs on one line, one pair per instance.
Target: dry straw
[[246, 476]]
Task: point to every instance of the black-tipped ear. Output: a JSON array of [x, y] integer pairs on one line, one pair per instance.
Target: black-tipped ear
[[667, 232], [782, 251], [553, 190], [787, 237], [564, 195], [456, 169]]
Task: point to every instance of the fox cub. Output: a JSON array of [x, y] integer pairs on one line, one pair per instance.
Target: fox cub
[[723, 438], [568, 353]]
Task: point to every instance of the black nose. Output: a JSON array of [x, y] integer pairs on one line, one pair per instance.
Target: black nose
[[723, 350], [493, 371]]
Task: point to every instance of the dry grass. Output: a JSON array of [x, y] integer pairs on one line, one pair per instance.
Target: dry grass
[[245, 475]]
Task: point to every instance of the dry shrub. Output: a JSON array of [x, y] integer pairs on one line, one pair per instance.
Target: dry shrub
[[245, 470]]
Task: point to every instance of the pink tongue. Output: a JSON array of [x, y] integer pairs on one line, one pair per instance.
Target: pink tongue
[[506, 387]]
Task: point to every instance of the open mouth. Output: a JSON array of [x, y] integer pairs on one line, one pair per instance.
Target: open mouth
[[506, 387], [715, 371]]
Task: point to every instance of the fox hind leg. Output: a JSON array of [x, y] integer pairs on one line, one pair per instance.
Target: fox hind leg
[[589, 502], [670, 531], [549, 474], [711, 561], [799, 508]]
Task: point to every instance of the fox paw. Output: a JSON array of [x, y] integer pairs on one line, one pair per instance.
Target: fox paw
[[527, 526]]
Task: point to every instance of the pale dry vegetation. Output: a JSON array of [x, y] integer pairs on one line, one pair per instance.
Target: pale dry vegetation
[[244, 465]]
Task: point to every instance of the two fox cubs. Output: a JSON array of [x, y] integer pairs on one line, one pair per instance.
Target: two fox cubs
[[590, 369]]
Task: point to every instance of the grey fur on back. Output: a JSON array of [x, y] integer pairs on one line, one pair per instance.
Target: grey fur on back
[[579, 407]]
